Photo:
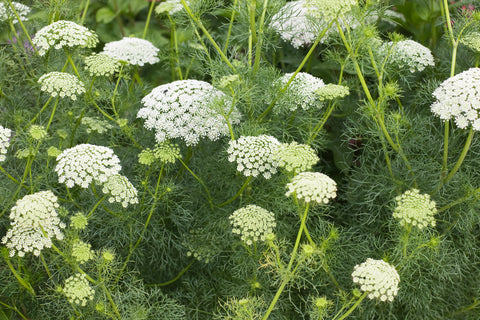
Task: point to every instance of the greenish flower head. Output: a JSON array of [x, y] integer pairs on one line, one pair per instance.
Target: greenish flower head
[[24, 153], [169, 6], [378, 278], [108, 255], [415, 209], [332, 91], [471, 41], [407, 54], [331, 9], [78, 221], [5, 135], [120, 190], [62, 134], [96, 125], [227, 81], [312, 187], [320, 308], [37, 132], [53, 151], [146, 157], [61, 84], [167, 152], [82, 252], [252, 223], [295, 157], [100, 64], [78, 290]]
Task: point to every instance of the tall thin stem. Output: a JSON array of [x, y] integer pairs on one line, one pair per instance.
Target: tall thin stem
[[150, 10]]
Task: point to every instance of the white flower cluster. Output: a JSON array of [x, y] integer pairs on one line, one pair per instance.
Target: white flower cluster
[[82, 252], [121, 190], [78, 290], [187, 109], [61, 84], [331, 9], [61, 34], [86, 163], [407, 54], [5, 135], [378, 278], [254, 155], [458, 97], [134, 51], [252, 223], [332, 91], [34, 222], [170, 6], [415, 209], [312, 186], [6, 13], [100, 64], [294, 24], [300, 93], [96, 125], [295, 157], [472, 41]]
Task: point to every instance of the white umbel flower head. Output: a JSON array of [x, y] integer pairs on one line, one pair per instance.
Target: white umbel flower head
[[34, 222], [121, 190], [78, 290], [312, 187], [61, 84], [100, 64], [5, 135], [86, 163], [254, 155], [407, 54], [187, 109], [378, 278], [300, 93], [472, 41], [331, 9], [170, 6], [252, 223], [62, 34], [458, 98], [415, 209], [134, 51], [295, 157], [6, 13]]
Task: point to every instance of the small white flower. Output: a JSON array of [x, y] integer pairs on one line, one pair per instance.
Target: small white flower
[[312, 187], [82, 252], [252, 223], [134, 51], [6, 13], [378, 278], [78, 290], [415, 209], [300, 93], [61, 84], [5, 135], [407, 54]]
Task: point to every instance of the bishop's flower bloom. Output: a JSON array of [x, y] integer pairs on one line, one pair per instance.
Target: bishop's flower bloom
[[458, 98], [5, 135], [407, 54], [61, 84], [120, 190], [472, 41], [331, 9], [86, 163], [332, 91], [62, 34], [78, 290], [82, 251], [187, 109], [378, 278], [134, 51], [415, 209], [6, 13], [170, 6], [100, 64], [252, 223], [300, 93], [34, 223], [254, 155], [295, 157], [312, 187]]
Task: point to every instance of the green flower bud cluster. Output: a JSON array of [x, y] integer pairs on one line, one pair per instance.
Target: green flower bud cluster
[[37, 132], [78, 290], [96, 125], [312, 187], [61, 84], [78, 221], [5, 134], [121, 190], [378, 278], [167, 152], [472, 41], [295, 157], [82, 252], [408, 54], [415, 209], [62, 34], [252, 223], [100, 64], [332, 91]]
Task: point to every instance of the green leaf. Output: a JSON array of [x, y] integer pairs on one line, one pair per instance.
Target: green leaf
[[105, 15], [3, 315]]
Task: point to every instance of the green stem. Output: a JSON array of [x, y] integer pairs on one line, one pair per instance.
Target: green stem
[[96, 206], [174, 279], [245, 184], [69, 57], [209, 198], [10, 177], [52, 114], [20, 280], [40, 112], [84, 12], [229, 32], [174, 39], [346, 314], [150, 10], [22, 26], [115, 91], [47, 269], [14, 308]]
